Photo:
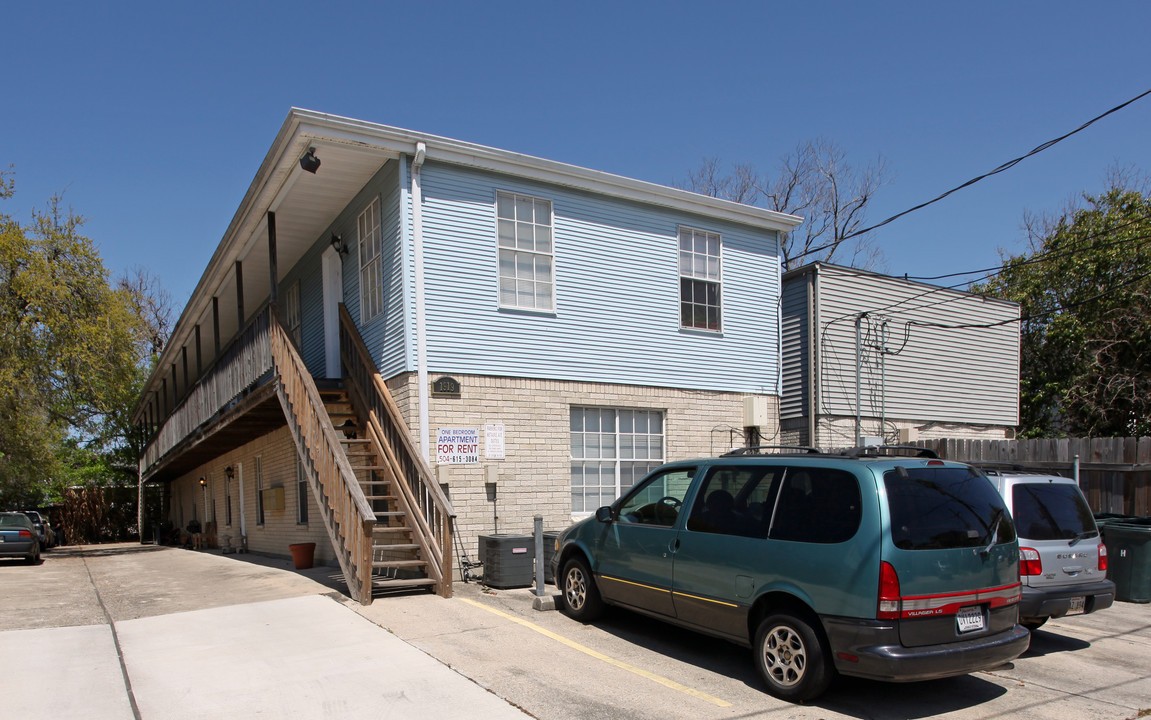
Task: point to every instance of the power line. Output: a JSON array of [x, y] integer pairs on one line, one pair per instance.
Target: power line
[[1045, 256], [1027, 318], [1005, 166]]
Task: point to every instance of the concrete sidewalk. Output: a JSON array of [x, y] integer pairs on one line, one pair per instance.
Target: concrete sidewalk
[[302, 654], [301, 657]]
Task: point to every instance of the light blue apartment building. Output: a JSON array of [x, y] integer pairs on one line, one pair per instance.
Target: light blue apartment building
[[405, 341]]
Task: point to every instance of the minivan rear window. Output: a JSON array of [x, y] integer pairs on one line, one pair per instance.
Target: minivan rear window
[[934, 508], [1050, 511]]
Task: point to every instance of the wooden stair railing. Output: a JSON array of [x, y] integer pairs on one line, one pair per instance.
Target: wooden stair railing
[[347, 515], [427, 509]]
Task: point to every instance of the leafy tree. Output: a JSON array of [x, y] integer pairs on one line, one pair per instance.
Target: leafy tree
[[74, 349], [816, 181], [1085, 291]]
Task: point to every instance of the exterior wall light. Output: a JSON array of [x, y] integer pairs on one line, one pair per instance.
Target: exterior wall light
[[309, 162]]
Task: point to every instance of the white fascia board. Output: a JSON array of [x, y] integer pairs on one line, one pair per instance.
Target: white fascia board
[[458, 152]]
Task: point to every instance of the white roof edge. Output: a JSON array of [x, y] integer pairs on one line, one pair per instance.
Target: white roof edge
[[460, 152], [821, 265]]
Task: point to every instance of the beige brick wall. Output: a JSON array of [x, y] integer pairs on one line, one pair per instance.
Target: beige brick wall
[[535, 476], [277, 456]]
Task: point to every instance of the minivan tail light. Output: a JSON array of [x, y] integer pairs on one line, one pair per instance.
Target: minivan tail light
[[1029, 562], [1102, 557], [889, 600]]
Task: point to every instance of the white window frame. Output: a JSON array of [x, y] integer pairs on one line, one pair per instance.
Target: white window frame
[[525, 252], [630, 455], [700, 268], [301, 494], [292, 316], [370, 255], [259, 492]]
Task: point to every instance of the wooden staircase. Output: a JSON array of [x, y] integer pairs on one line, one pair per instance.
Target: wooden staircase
[[389, 520], [397, 560]]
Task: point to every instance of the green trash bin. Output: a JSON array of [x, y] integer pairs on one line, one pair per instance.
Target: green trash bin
[[1129, 559]]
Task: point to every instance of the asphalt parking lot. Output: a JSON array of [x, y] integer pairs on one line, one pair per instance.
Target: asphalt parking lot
[[195, 630]]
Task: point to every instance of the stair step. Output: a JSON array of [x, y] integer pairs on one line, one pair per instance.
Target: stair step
[[374, 482], [392, 528], [397, 547], [379, 582], [395, 514], [380, 497], [354, 440], [399, 563]]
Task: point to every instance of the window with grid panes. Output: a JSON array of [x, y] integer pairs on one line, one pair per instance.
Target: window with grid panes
[[524, 231], [371, 266], [611, 450], [699, 279]]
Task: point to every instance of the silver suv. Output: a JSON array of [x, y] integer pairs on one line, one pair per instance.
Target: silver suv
[[1062, 558]]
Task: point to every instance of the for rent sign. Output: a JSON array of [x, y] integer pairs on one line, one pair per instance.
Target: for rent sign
[[457, 446]]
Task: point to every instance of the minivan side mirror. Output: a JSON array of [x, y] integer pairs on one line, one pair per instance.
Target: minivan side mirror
[[604, 514]]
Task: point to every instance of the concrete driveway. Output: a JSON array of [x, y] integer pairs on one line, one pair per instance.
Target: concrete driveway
[[208, 636]]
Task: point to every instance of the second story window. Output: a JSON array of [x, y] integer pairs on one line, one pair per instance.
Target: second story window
[[371, 270], [292, 314], [699, 279], [524, 228]]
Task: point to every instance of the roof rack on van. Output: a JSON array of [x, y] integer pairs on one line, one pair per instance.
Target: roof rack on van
[[891, 451], [990, 467], [773, 450]]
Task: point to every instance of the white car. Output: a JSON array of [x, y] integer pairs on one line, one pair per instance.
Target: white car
[[1062, 558]]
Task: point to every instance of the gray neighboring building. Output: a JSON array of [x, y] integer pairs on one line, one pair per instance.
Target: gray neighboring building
[[876, 356]]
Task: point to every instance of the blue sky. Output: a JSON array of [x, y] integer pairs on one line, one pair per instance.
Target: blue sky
[[152, 118]]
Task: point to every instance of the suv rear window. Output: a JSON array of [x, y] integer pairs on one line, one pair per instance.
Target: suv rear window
[[934, 508], [1051, 511]]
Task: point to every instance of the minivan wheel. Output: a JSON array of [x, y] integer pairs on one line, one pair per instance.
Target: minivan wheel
[[790, 656], [580, 596]]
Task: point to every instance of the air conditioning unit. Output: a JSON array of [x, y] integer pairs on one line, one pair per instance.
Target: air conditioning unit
[[509, 560]]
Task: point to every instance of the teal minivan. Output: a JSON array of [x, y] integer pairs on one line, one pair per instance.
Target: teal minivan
[[883, 563]]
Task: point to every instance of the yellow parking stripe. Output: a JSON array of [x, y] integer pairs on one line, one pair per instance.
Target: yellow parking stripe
[[600, 656]]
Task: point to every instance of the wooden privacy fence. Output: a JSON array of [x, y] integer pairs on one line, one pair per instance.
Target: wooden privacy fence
[[1115, 473]]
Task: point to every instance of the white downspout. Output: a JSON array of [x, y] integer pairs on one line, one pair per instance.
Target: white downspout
[[421, 319]]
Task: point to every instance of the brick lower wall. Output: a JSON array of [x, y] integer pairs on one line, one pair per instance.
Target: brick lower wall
[[277, 460], [535, 475], [533, 478]]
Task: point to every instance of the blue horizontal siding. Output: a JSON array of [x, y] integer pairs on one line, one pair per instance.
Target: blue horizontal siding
[[616, 318]]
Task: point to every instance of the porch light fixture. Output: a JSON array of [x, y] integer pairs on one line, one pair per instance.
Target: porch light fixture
[[309, 162], [230, 472], [338, 244], [203, 483]]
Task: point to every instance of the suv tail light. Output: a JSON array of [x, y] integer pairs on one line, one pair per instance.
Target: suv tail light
[[890, 603], [1029, 562], [1102, 557]]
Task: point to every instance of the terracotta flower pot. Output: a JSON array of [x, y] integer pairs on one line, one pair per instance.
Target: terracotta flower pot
[[303, 555]]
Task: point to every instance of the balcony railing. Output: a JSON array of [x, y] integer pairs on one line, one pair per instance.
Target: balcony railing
[[243, 364]]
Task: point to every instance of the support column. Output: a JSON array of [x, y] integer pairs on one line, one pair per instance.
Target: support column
[[274, 293]]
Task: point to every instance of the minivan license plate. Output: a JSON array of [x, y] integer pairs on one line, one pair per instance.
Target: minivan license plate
[[969, 619], [1078, 605]]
